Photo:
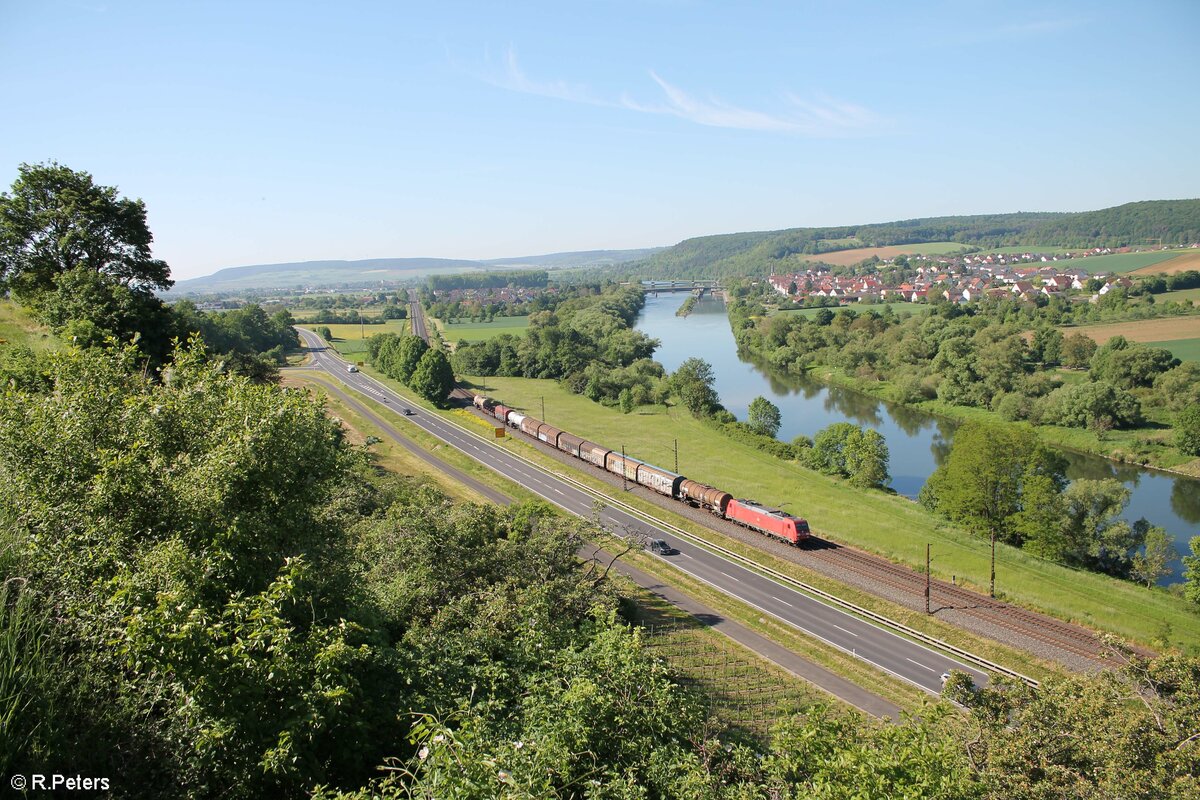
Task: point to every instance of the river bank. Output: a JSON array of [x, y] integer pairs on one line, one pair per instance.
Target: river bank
[[918, 438], [1075, 440]]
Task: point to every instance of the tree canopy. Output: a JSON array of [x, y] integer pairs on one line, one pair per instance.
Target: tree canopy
[[57, 220]]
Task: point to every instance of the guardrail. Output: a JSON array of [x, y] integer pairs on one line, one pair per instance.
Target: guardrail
[[744, 561]]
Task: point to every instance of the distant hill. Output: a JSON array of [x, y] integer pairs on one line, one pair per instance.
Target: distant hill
[[371, 272], [344, 274], [757, 253], [577, 259]]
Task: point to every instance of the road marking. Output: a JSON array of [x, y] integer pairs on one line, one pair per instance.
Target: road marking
[[919, 664], [840, 628], [732, 577], [785, 602], [685, 555]]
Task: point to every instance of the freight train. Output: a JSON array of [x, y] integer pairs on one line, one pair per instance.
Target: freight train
[[770, 521]]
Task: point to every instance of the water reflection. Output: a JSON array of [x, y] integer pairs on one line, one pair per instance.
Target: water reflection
[[1185, 501], [918, 442]]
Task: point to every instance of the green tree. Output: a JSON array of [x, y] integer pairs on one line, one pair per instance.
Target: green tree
[[57, 220], [1077, 351], [1187, 431], [327, 334], [1039, 523], [409, 352], [980, 483], [1158, 551], [1097, 538], [433, 378], [764, 417], [867, 459], [1191, 572], [625, 399], [693, 384]]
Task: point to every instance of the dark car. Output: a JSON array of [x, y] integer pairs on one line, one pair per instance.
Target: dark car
[[660, 547], [408, 412]]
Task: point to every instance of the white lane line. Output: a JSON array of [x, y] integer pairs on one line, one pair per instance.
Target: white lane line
[[731, 577], [919, 664], [685, 555], [840, 628], [785, 602]]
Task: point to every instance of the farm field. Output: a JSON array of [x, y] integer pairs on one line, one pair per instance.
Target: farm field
[[1048, 251], [1144, 330], [847, 257], [1179, 296], [901, 309], [349, 340], [480, 331], [1183, 349], [887, 524], [1181, 263], [1129, 262]]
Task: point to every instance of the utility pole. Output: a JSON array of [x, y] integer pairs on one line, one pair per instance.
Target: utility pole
[[624, 472], [993, 589], [676, 456], [927, 578], [362, 332], [543, 408]]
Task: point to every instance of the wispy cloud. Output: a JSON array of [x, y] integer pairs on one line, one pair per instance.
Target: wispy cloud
[[819, 116]]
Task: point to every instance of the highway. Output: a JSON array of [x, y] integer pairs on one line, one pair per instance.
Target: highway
[[884, 649]]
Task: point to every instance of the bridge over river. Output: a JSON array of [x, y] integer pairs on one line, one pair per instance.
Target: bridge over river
[[699, 288]]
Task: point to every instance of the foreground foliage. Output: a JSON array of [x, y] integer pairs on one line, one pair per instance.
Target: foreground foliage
[[208, 593]]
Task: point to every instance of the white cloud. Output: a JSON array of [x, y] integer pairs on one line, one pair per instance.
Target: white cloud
[[821, 116]]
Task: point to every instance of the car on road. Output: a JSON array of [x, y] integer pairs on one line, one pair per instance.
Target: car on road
[[408, 412], [352, 368], [661, 547]]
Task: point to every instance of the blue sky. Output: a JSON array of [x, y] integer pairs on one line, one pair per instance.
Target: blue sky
[[265, 132]]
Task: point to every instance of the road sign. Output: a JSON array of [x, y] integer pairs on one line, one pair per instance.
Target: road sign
[[500, 433]]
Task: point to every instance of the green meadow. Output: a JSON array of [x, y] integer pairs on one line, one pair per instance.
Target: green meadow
[[480, 331], [883, 523], [1183, 349], [1124, 262]]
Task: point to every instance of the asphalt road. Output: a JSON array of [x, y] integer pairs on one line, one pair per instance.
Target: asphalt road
[[888, 651], [416, 314]]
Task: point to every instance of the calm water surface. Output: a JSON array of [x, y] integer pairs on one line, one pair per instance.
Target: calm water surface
[[917, 441]]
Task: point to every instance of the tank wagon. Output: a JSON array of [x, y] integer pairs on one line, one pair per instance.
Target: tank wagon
[[770, 521]]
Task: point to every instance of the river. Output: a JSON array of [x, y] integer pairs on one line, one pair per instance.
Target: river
[[916, 441]]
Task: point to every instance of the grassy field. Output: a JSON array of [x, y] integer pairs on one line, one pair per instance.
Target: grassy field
[[1048, 251], [1143, 330], [1180, 296], [885, 524], [1127, 262], [848, 257], [901, 309], [480, 331], [1183, 349], [17, 327], [349, 340], [1189, 260]]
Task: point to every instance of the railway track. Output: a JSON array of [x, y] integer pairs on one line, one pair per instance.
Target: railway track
[[943, 596], [1066, 637]]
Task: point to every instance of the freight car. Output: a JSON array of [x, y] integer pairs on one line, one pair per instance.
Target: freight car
[[770, 521]]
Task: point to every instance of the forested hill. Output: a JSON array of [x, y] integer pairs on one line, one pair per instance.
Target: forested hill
[[1142, 223]]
